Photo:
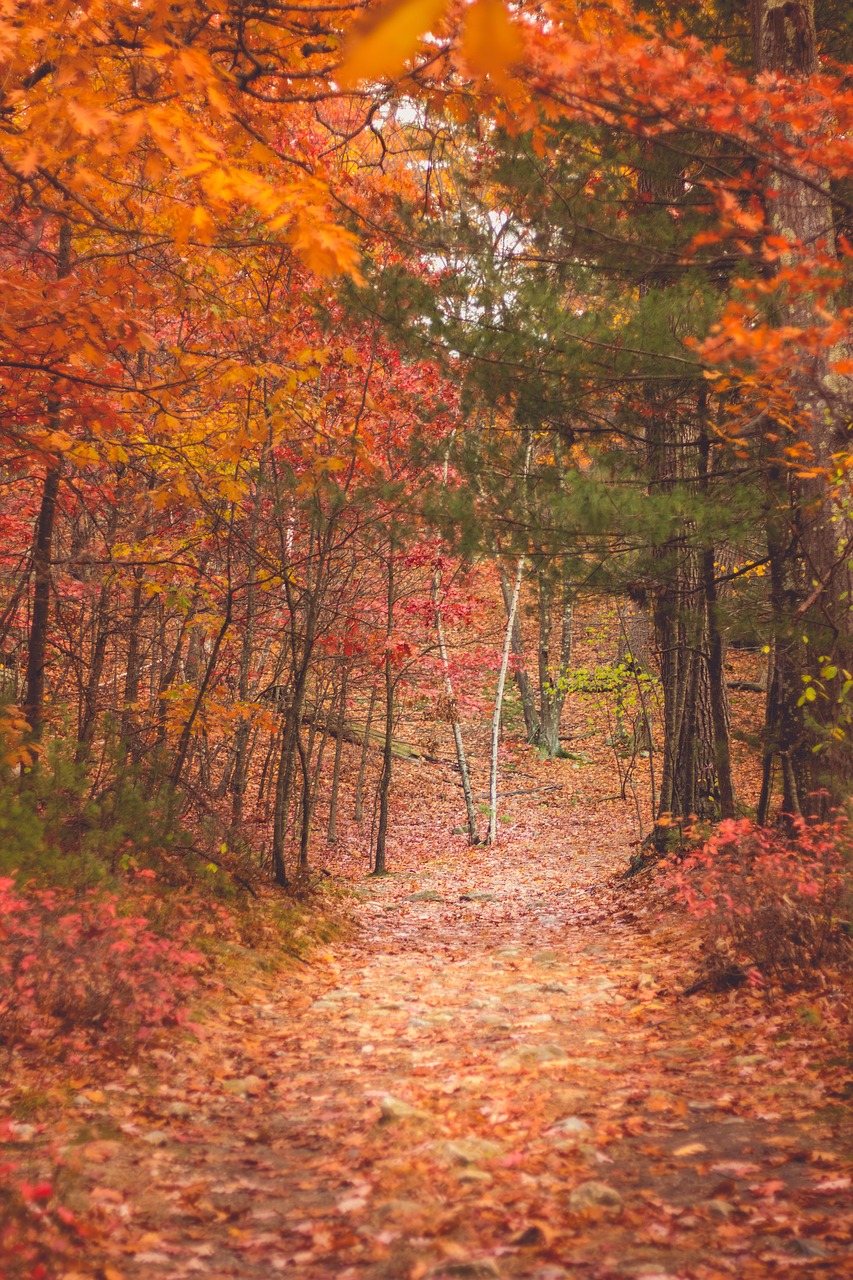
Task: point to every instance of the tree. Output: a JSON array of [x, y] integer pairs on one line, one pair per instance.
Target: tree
[[646, 161]]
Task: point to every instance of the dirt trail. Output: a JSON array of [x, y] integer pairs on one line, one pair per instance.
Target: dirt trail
[[496, 1078]]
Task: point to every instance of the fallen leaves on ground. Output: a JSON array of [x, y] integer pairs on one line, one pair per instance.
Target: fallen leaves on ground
[[497, 1077]]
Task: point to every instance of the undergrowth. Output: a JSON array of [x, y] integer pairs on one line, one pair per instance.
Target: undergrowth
[[773, 904], [118, 925], [112, 908], [39, 1235]]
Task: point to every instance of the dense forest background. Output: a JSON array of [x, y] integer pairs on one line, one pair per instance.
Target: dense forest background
[[294, 373]]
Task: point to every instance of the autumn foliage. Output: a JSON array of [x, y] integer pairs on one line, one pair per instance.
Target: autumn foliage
[[773, 905], [85, 969], [37, 1232]]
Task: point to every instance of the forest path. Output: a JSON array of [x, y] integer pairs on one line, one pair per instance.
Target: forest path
[[491, 1079]]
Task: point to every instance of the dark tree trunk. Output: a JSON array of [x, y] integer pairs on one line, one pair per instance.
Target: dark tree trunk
[[715, 649], [132, 672], [43, 547], [358, 814], [89, 708], [185, 739], [688, 775], [785, 41], [40, 618], [281, 805], [380, 861], [332, 835]]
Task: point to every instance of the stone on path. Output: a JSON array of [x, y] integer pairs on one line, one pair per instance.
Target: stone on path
[[594, 1195], [570, 1127], [392, 1108], [467, 1150], [156, 1138], [179, 1109], [480, 1270], [532, 1053], [425, 895], [244, 1086]]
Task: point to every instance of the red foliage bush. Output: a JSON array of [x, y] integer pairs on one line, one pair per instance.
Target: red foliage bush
[[80, 969], [37, 1234], [776, 903]]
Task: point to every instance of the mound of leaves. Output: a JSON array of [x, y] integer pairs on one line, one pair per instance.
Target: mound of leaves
[[773, 904], [85, 969]]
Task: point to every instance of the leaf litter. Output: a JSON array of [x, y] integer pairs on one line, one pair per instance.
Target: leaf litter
[[495, 1073], [510, 1086]]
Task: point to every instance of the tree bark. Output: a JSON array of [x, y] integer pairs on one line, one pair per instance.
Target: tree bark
[[42, 560], [522, 679], [461, 758], [499, 697], [332, 834], [784, 41], [358, 814], [553, 667], [715, 647], [379, 861]]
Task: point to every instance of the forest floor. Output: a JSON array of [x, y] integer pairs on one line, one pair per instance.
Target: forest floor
[[491, 1072], [494, 1074]]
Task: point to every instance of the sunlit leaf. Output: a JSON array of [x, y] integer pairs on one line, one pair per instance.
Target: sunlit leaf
[[380, 47], [492, 42]]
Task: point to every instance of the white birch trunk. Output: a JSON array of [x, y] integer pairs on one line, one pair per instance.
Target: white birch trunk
[[499, 697], [471, 814]]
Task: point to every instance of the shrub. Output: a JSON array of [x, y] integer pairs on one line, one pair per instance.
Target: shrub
[[772, 905], [79, 968], [38, 1235], [61, 822]]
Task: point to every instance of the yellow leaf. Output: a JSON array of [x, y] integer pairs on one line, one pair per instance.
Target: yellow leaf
[[327, 249], [203, 225], [232, 490], [491, 42], [690, 1149], [380, 47]]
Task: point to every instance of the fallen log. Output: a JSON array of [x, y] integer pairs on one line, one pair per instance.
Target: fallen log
[[522, 791], [747, 686], [354, 734]]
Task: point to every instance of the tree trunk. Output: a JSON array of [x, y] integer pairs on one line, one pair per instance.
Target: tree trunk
[[358, 815], [133, 671], [718, 690], [688, 777], [785, 41], [379, 861], [553, 667], [522, 679], [89, 708], [461, 758], [634, 654], [43, 546], [332, 834], [186, 732], [499, 697], [282, 798], [715, 646]]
